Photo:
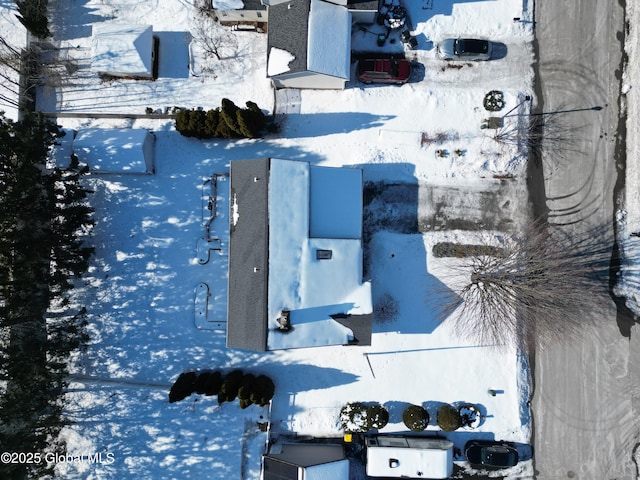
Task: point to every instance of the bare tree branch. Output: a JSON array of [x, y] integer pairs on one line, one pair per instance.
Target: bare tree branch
[[540, 288]]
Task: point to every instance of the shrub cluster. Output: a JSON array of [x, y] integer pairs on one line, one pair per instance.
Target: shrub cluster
[[248, 388], [358, 418], [226, 121]]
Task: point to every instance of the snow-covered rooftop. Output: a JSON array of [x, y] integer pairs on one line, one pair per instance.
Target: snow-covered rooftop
[[279, 61], [329, 44], [123, 50], [227, 4], [122, 150]]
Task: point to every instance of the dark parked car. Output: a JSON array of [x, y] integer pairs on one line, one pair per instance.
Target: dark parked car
[[484, 454], [384, 70], [464, 49]]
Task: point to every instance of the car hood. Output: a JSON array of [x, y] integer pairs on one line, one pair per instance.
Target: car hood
[[446, 47]]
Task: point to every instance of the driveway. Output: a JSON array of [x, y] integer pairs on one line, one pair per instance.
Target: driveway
[[496, 204], [585, 403]]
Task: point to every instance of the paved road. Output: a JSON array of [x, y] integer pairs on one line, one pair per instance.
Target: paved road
[[585, 401]]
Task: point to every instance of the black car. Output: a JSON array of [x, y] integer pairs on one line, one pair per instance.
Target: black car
[[484, 454]]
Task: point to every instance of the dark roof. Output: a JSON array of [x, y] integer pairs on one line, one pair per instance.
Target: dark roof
[[289, 30], [274, 469], [254, 5], [307, 454], [248, 251], [360, 325], [363, 4]]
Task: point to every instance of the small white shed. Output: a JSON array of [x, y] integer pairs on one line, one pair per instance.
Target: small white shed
[[127, 150], [409, 457], [123, 50]]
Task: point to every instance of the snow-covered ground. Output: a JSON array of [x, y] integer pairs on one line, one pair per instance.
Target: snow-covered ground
[[144, 275]]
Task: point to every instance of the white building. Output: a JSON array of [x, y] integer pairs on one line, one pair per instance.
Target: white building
[[126, 150], [124, 50], [409, 457]]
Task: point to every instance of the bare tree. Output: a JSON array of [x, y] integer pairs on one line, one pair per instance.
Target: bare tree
[[23, 69], [536, 288], [216, 40], [10, 69], [528, 131]]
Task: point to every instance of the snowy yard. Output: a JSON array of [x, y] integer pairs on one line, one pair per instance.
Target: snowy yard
[[143, 281]]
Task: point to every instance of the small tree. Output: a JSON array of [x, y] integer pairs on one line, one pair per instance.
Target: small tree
[[216, 41], [386, 309], [251, 121], [212, 383], [262, 390], [354, 418], [415, 418], [230, 386], [377, 416], [183, 387], [449, 418], [245, 391], [33, 15]]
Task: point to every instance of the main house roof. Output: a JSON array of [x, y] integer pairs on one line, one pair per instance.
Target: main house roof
[[295, 246]]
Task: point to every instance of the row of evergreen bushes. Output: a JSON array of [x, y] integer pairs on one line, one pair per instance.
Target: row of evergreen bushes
[[358, 418], [226, 121], [246, 387], [33, 15]]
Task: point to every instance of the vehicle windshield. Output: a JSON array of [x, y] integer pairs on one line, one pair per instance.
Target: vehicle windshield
[[457, 45], [495, 457], [471, 46]]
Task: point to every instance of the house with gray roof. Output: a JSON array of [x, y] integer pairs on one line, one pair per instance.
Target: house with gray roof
[[295, 461], [295, 257], [309, 44], [309, 41]]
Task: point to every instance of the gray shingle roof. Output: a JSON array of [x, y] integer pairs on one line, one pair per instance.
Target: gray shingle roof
[[289, 30], [248, 251], [363, 4]]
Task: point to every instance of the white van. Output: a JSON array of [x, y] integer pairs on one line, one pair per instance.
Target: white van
[[409, 457]]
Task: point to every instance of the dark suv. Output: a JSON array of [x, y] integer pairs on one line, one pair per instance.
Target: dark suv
[[487, 454], [384, 70]]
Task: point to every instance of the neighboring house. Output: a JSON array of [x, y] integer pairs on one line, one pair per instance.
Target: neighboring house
[[127, 51], [234, 12], [127, 150], [305, 462], [295, 257], [409, 457], [309, 44]]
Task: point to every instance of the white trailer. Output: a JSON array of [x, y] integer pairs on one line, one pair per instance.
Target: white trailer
[[409, 457]]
